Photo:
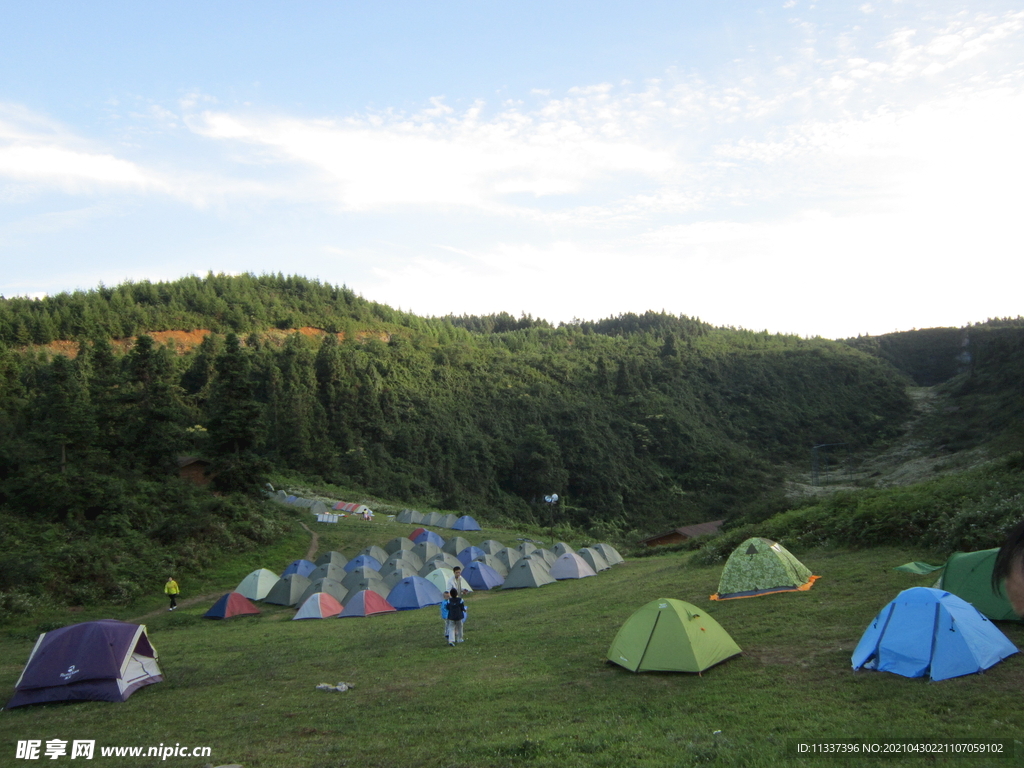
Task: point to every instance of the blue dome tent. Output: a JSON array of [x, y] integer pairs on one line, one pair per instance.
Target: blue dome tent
[[482, 576], [931, 632], [414, 592]]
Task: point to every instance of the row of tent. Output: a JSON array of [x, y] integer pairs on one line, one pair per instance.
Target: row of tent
[[923, 631], [418, 566], [327, 512], [319, 507], [323, 605], [437, 520]]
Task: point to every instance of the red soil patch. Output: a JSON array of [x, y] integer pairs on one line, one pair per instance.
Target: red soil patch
[[187, 340]]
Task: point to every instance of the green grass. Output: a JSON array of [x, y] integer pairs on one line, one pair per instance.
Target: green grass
[[531, 684]]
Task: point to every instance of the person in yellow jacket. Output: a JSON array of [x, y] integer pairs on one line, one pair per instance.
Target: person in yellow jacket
[[171, 590]]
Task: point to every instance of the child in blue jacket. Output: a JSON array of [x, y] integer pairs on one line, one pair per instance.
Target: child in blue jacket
[[453, 611]]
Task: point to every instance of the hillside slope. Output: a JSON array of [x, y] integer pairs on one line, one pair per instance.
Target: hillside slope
[[655, 416]]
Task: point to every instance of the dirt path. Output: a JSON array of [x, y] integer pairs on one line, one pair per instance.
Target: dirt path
[[314, 542], [314, 545]]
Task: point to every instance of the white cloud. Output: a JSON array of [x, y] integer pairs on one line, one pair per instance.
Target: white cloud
[[862, 170], [811, 274], [960, 41], [68, 168], [35, 150], [439, 158], [604, 153], [40, 153]]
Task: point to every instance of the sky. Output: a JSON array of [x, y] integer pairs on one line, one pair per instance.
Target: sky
[[820, 168]]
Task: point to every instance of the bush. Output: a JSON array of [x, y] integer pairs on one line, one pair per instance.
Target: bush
[[970, 511], [15, 602], [980, 524]]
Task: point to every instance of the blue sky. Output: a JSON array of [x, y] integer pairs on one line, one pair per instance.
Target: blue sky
[[818, 168]]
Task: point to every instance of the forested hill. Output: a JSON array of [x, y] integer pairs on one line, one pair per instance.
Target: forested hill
[[655, 417], [980, 370]]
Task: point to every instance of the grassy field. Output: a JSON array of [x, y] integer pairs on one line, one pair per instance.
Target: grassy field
[[530, 685]]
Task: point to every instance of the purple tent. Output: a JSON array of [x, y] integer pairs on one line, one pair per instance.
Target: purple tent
[[104, 660]]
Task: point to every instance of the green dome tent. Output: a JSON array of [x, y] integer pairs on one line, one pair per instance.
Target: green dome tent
[[257, 585], [332, 558], [398, 573], [287, 590], [454, 545], [759, 567], [508, 556], [668, 635], [527, 572], [398, 544], [594, 559], [968, 575], [377, 553], [330, 586], [610, 554], [328, 571]]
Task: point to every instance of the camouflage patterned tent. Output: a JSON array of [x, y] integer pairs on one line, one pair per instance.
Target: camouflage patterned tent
[[759, 567]]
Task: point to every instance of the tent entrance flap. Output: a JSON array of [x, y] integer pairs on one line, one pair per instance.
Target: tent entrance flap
[[647, 645]]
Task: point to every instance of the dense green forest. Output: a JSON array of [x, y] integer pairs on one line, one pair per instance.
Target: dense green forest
[[637, 422], [980, 367]]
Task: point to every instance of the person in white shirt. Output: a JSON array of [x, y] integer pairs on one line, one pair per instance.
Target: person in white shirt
[[456, 582]]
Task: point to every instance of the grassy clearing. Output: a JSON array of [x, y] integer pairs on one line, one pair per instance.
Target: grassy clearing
[[531, 685]]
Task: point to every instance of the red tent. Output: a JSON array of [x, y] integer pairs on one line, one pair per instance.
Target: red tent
[[319, 605], [231, 604], [366, 603]]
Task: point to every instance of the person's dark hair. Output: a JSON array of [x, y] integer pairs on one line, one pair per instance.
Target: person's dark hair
[[1009, 554], [457, 568], [454, 592]]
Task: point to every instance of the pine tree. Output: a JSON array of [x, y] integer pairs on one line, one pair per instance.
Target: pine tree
[[303, 417], [63, 423], [334, 390], [154, 416], [234, 423]]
